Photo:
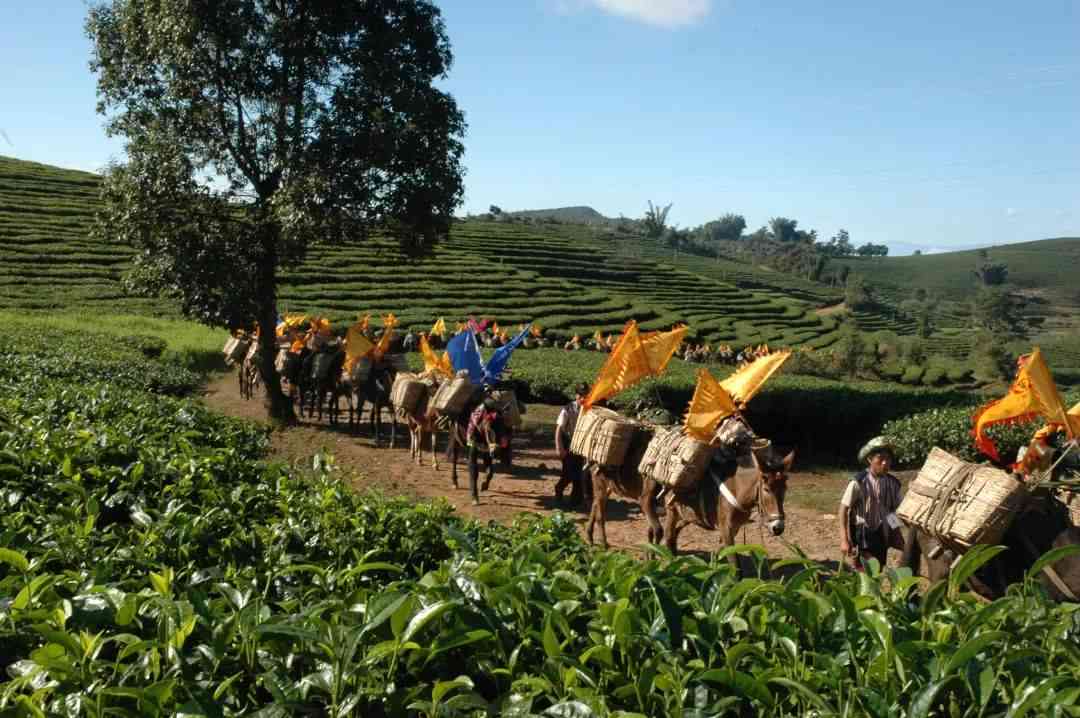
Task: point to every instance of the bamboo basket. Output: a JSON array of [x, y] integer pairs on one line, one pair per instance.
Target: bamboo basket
[[603, 436], [453, 396], [407, 393], [235, 349], [675, 459], [506, 402], [960, 503], [1071, 499]]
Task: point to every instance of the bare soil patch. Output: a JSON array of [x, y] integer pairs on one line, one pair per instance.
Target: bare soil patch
[[530, 485]]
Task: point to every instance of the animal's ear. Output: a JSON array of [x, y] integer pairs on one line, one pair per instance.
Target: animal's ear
[[789, 460]]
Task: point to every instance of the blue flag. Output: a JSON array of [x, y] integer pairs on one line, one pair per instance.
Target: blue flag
[[465, 354], [498, 361]]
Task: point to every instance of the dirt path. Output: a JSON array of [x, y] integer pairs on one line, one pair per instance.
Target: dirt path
[[530, 485]]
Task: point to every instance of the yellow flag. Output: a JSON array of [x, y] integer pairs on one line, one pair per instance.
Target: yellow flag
[[747, 381], [439, 328], [357, 346], [711, 405], [432, 362], [389, 320], [383, 346], [1032, 394], [659, 347], [634, 358], [321, 326], [364, 322]]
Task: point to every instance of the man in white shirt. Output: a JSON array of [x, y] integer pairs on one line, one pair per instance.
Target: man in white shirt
[[868, 523], [572, 464]]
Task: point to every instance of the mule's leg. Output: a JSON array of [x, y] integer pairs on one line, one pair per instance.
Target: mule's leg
[[393, 431], [453, 449], [600, 504], [474, 475], [434, 453], [671, 534], [645, 501], [595, 511]]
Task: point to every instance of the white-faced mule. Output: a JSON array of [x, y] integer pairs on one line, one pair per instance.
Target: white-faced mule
[[724, 500]]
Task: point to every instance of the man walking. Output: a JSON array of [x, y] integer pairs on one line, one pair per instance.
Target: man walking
[[572, 464], [868, 523]]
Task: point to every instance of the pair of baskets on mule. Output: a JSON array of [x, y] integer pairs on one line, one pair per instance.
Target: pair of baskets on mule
[[671, 457]]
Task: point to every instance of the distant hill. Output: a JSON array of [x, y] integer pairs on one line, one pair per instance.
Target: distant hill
[[584, 215], [1049, 268]]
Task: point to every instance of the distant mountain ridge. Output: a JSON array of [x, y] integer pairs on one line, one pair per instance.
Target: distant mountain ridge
[[581, 213]]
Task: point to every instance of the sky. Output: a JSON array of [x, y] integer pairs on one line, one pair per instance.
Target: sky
[[920, 125]]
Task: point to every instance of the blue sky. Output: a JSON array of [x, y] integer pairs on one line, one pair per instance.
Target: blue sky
[[918, 125]]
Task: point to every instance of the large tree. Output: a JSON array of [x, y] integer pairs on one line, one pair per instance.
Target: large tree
[[255, 128]]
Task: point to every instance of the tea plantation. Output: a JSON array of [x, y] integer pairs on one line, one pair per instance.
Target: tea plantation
[[565, 278], [152, 562]]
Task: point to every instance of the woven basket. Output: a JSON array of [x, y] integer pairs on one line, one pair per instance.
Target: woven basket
[[1071, 499], [453, 396], [603, 437], [408, 393], [960, 503], [675, 459], [235, 349], [506, 402]]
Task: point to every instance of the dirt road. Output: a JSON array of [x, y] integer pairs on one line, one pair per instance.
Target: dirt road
[[530, 485]]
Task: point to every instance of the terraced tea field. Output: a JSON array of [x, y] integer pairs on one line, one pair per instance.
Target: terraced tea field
[[564, 278]]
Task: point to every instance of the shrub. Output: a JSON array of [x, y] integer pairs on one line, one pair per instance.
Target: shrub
[[912, 374]]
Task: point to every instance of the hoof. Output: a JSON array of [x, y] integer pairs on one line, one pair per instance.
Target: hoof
[[476, 502]]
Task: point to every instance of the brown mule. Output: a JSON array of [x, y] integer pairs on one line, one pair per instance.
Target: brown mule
[[725, 506]]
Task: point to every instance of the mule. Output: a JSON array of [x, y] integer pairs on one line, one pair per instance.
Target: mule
[[317, 389], [373, 388], [726, 505], [1042, 526]]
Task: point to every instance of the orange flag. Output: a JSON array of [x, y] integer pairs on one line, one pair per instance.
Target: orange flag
[[747, 381], [635, 357], [357, 346], [1032, 394], [387, 337], [711, 405], [432, 362]]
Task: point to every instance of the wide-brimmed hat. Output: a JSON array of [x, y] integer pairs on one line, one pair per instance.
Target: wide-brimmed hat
[[875, 446]]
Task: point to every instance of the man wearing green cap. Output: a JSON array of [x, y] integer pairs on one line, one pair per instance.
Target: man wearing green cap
[[868, 523]]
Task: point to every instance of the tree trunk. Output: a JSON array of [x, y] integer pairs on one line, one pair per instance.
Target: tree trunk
[[279, 407]]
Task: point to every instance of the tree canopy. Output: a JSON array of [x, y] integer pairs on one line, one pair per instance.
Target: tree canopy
[[254, 129]]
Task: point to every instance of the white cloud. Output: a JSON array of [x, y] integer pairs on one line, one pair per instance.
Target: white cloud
[[660, 13], [1010, 212]]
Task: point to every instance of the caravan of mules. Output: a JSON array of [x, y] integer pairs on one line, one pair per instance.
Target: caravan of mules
[[688, 473]]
